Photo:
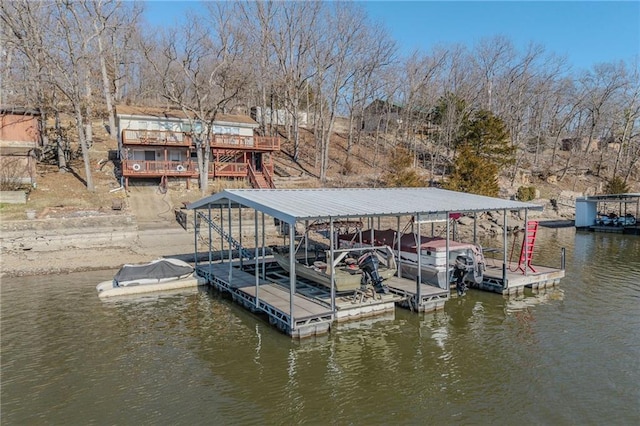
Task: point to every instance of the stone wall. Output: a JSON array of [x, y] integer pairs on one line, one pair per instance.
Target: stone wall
[[56, 234]]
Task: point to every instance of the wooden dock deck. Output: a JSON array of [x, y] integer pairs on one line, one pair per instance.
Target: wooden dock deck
[[312, 303], [312, 311], [309, 318], [431, 298], [544, 277]]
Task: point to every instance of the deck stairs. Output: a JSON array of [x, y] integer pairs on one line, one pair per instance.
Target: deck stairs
[[244, 253], [261, 181], [228, 158], [528, 243]]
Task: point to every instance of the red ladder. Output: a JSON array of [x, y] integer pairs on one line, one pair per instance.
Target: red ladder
[[529, 241]]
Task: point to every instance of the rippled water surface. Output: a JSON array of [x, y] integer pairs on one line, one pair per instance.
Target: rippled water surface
[[567, 356]]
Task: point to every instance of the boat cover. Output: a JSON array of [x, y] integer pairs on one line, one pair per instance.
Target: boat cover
[[160, 269]]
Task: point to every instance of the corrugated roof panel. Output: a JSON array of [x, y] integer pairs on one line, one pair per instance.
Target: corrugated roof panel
[[291, 205]]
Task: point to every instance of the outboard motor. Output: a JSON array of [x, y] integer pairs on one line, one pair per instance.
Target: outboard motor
[[368, 263], [463, 265]]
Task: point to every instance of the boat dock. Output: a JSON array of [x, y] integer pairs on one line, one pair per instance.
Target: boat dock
[[312, 303], [516, 282], [302, 306], [311, 318], [628, 230], [612, 213]]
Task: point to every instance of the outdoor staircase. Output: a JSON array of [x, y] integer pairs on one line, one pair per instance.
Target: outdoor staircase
[[228, 158], [261, 181], [243, 252], [528, 243]]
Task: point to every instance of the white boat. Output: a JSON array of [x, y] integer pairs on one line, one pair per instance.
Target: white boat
[[157, 275], [465, 260]]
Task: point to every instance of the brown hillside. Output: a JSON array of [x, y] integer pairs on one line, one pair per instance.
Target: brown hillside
[[65, 193]]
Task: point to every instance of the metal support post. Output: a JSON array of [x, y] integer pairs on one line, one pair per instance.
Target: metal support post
[[504, 251], [448, 279], [292, 275], [256, 272], [333, 276], [418, 252]]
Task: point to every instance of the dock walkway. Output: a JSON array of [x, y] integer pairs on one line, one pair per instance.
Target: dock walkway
[[312, 313], [543, 277], [309, 318]]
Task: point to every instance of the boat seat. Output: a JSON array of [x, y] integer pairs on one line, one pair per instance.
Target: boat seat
[[320, 264]]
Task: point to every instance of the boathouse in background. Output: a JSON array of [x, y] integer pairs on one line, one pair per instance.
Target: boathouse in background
[[609, 213], [161, 143], [244, 271]]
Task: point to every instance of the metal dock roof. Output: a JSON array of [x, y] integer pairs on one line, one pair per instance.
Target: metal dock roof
[[292, 205], [622, 198]]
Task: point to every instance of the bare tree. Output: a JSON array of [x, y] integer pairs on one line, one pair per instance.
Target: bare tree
[[338, 59], [200, 72], [111, 20], [292, 32], [69, 56], [600, 87], [492, 56], [626, 129]]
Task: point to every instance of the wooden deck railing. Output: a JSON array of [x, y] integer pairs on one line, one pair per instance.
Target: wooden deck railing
[[251, 142], [268, 177], [141, 168], [170, 138], [220, 169], [155, 137], [158, 168]]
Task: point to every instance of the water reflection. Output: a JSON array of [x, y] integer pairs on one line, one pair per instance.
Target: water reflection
[[572, 352]]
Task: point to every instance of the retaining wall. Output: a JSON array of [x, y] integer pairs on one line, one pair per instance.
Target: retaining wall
[[55, 234]]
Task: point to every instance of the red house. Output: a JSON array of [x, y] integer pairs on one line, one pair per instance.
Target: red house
[[20, 143], [159, 143]]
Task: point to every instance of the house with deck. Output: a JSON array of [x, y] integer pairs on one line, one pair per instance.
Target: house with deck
[[160, 143], [20, 144]]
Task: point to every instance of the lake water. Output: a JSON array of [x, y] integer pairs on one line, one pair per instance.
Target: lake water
[[567, 356]]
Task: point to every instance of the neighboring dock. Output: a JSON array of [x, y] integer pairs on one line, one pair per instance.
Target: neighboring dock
[[627, 230], [611, 213]]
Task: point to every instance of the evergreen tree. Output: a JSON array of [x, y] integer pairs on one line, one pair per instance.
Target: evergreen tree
[[488, 137], [483, 148], [473, 174], [616, 185], [402, 173], [450, 108]]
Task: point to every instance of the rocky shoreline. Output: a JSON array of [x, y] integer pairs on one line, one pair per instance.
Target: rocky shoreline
[[101, 242], [64, 245]]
